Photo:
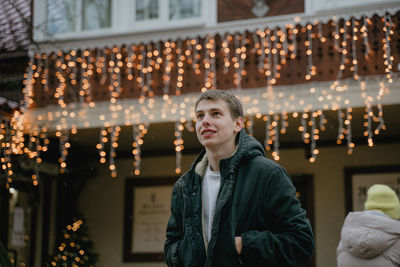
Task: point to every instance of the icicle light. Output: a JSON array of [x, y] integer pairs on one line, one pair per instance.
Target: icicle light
[[172, 61]]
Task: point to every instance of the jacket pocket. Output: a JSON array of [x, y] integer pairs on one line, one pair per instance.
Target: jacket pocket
[[234, 234]]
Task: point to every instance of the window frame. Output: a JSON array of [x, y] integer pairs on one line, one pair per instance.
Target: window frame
[[123, 20]]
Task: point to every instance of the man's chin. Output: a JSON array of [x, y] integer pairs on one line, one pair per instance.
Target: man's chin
[[208, 143]]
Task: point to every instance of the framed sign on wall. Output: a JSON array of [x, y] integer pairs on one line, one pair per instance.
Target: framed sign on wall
[[147, 210], [358, 180]]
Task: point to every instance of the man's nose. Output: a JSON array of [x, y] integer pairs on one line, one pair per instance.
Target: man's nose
[[206, 119]]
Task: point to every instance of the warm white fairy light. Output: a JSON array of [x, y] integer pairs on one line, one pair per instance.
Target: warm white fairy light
[[364, 33], [354, 39], [303, 128], [64, 146], [29, 81], [340, 135], [39, 67], [158, 56], [168, 64], [17, 133], [114, 136], [321, 36], [114, 69], [269, 64], [179, 68], [45, 77], [284, 122], [273, 58], [145, 66], [71, 61], [239, 58], [138, 132], [141, 79], [347, 122], [311, 69], [130, 61], [226, 51], [86, 73], [249, 125], [293, 46], [387, 55], [41, 145], [261, 49], [342, 50], [210, 77], [275, 134], [103, 63], [197, 47], [267, 139], [178, 142], [5, 150], [313, 138], [150, 68], [101, 145], [60, 67]]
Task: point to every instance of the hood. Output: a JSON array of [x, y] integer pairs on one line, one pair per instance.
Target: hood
[[367, 235]]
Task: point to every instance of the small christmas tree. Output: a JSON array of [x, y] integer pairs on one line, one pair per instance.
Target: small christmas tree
[[75, 249]]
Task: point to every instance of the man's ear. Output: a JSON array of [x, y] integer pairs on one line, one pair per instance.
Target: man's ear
[[239, 122]]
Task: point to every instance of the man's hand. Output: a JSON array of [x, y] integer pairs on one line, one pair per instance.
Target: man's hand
[[238, 243]]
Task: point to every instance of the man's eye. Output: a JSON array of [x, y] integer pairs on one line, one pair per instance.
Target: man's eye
[[217, 113], [199, 116]]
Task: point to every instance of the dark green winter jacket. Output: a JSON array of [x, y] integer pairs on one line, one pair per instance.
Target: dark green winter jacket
[[256, 201]]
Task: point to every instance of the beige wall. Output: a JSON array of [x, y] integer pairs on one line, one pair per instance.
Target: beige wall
[[102, 199]]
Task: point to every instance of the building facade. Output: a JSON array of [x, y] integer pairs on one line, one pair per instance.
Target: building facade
[[109, 106]]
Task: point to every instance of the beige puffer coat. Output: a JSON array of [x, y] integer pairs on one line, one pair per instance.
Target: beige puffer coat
[[369, 240]]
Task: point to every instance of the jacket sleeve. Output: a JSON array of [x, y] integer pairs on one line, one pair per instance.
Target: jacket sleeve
[[288, 239], [174, 229]]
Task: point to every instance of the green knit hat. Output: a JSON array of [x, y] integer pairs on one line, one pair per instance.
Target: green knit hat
[[382, 197]]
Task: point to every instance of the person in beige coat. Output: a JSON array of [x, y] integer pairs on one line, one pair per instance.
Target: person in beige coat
[[371, 238]]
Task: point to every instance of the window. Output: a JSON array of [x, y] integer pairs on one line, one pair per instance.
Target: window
[[66, 16], [83, 19], [61, 16], [96, 14], [181, 9], [164, 14], [146, 9]]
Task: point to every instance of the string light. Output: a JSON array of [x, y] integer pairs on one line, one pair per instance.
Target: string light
[[178, 146], [64, 146], [209, 64], [101, 145], [273, 47], [249, 125], [167, 68], [238, 59], [387, 55], [114, 135], [364, 32], [275, 133], [226, 53], [130, 61], [311, 69], [350, 144], [179, 68], [267, 140], [138, 132], [354, 39]]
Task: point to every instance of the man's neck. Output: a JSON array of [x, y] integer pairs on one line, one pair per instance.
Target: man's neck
[[215, 156]]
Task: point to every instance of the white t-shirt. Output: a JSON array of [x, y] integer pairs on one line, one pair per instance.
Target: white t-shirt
[[210, 189]]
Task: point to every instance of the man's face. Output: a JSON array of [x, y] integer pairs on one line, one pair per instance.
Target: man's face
[[215, 127]]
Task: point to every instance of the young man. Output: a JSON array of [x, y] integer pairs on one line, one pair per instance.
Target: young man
[[234, 207]]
